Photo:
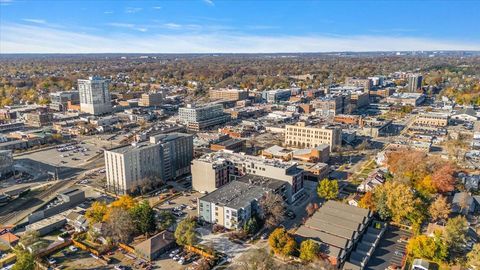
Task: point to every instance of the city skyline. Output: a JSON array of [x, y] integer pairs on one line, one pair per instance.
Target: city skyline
[[236, 27]]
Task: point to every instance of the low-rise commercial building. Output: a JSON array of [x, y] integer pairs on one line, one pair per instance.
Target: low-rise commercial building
[[412, 99], [234, 145], [431, 120], [365, 83], [155, 246], [228, 94], [164, 157], [214, 170], [303, 136], [320, 153], [275, 96], [203, 117], [38, 119], [59, 100]]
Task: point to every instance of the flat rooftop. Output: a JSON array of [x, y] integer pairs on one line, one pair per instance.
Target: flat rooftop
[[235, 194]]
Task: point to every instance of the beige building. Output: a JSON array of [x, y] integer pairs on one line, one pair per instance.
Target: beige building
[[151, 99], [228, 94], [365, 83], [303, 136], [431, 120], [214, 170]]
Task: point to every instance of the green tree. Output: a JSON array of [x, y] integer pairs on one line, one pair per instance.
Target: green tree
[[282, 243], [144, 217], [29, 237], [327, 189], [25, 260], [185, 232], [251, 226], [309, 250], [456, 234], [165, 220]]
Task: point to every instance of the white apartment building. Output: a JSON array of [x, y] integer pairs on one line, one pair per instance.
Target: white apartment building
[[164, 157], [94, 96], [214, 170]]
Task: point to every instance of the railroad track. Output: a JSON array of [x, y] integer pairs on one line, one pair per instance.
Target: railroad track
[[26, 206]]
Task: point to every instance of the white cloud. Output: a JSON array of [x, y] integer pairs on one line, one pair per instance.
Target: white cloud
[[209, 2], [108, 12], [128, 26], [38, 21], [22, 38], [132, 9], [157, 7], [5, 2]]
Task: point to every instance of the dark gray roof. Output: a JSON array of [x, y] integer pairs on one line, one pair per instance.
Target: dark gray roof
[[336, 225], [261, 181], [235, 194]]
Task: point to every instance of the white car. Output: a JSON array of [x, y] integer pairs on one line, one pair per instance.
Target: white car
[[73, 248], [52, 261], [181, 261]]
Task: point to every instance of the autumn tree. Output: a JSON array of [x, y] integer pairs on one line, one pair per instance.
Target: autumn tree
[[456, 234], [282, 243], [96, 212], [443, 178], [185, 233], [439, 209], [473, 257], [400, 199], [432, 248], [327, 189], [309, 250], [272, 209], [367, 201]]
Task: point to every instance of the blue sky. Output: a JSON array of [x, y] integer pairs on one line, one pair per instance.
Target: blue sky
[[209, 26]]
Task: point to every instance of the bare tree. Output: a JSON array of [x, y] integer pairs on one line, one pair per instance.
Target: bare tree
[[272, 209], [256, 259], [120, 225]]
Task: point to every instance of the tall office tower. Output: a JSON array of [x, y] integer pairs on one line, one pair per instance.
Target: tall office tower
[[415, 82], [94, 96], [163, 158]]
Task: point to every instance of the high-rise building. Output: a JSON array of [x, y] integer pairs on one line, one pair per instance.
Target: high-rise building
[[164, 157], [415, 82], [94, 96], [303, 136], [204, 116], [214, 170]]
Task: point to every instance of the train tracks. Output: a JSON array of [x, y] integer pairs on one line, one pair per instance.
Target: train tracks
[[17, 211]]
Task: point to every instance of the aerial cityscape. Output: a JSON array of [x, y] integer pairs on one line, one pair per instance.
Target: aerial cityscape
[[240, 135]]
